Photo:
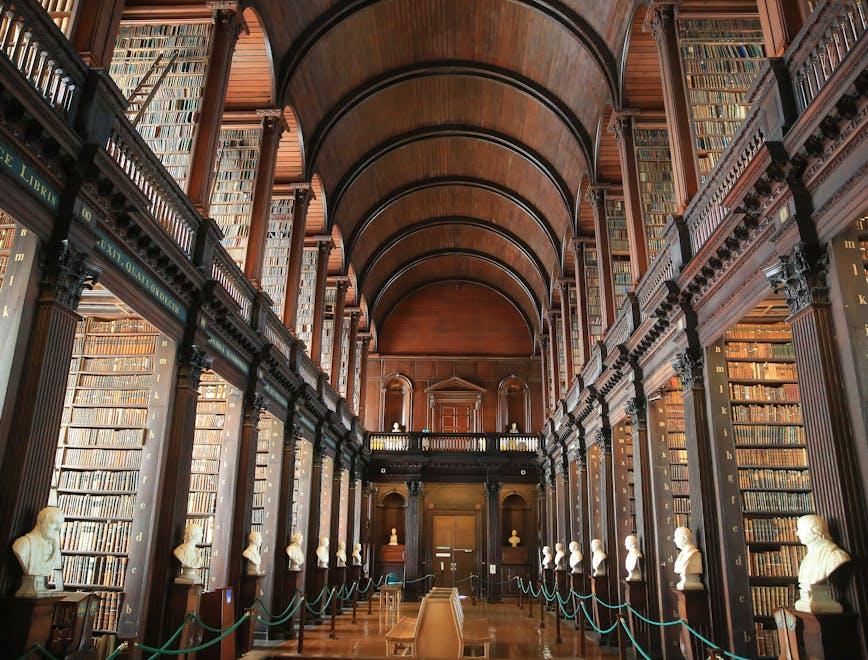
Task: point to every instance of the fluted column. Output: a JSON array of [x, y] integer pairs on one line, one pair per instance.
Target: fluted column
[[554, 365], [493, 538], [596, 197], [567, 331], [413, 529], [352, 356], [622, 126], [578, 249], [546, 379], [363, 377], [342, 285], [324, 246], [300, 204]]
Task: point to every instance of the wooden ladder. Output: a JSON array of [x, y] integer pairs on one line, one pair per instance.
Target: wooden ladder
[[144, 92]]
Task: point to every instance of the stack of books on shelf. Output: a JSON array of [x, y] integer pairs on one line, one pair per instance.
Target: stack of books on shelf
[[656, 187], [562, 358], [267, 427], [276, 257], [592, 282], [676, 446], [357, 376], [720, 58], [232, 194], [575, 333], [169, 121], [7, 234], [344, 357], [773, 472], [306, 294]]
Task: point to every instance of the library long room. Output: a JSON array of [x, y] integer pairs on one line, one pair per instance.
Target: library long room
[[434, 328]]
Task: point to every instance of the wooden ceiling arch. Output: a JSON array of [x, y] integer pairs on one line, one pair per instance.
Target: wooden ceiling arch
[[448, 181], [251, 80], [407, 232]]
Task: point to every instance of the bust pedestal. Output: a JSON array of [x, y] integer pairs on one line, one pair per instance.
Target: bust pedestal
[[513, 556], [317, 578], [562, 582], [217, 609], [548, 579], [635, 593], [603, 615], [579, 584], [339, 577], [26, 621], [251, 587], [693, 607], [392, 554], [181, 599], [807, 636], [355, 573], [287, 630]]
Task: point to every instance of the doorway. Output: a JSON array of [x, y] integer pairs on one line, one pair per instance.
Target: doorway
[[455, 417], [454, 551]]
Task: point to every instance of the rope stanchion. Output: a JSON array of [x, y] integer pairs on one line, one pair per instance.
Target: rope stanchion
[[332, 634], [633, 641], [355, 599], [301, 617], [622, 643], [200, 647]]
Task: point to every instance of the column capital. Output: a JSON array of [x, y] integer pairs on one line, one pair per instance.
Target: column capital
[[226, 15], [657, 16], [272, 120], [620, 121], [67, 273], [302, 196], [257, 405], [636, 408], [194, 360], [801, 276], [492, 488], [414, 488], [688, 366], [341, 283], [604, 439]]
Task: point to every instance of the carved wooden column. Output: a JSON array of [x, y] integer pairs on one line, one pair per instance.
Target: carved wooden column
[[583, 504], [28, 461], [273, 126], [414, 528], [352, 512], [832, 450], [203, 155], [567, 330], [622, 126], [174, 486], [300, 204], [282, 528], [324, 246], [335, 518], [493, 540], [562, 468], [596, 197], [781, 21], [352, 356], [578, 249], [546, 379], [366, 521], [704, 519], [363, 377], [313, 516], [343, 283], [660, 20], [245, 475], [95, 30], [608, 466], [554, 362]]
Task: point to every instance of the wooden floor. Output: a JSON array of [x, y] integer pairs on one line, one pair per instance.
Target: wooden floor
[[515, 636]]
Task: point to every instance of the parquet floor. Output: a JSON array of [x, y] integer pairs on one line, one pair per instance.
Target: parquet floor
[[515, 636]]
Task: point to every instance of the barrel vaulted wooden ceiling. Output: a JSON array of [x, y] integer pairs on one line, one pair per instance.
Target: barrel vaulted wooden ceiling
[[453, 138]]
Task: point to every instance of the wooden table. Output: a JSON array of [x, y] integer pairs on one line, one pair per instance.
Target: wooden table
[[390, 605]]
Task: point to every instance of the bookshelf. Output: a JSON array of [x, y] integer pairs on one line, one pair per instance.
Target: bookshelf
[[595, 503], [862, 232], [328, 328], [624, 482], [325, 501], [343, 375], [619, 245], [276, 258], [575, 331], [562, 362], [7, 235], [592, 282], [169, 122], [357, 376], [266, 488], [306, 295], [720, 58], [232, 195], [656, 187], [113, 407], [214, 442], [774, 478], [672, 416], [344, 510], [61, 12]]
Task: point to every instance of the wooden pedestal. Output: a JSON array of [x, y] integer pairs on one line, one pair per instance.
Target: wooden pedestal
[[693, 608], [339, 578], [602, 615], [217, 609], [805, 636], [392, 554], [636, 595], [180, 601], [579, 584], [548, 579], [26, 621], [286, 630], [356, 577], [562, 582], [251, 587], [513, 556], [316, 579], [73, 625]]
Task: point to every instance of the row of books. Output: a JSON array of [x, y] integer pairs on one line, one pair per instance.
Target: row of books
[[97, 506], [678, 470], [107, 611], [766, 600], [208, 421], [753, 350], [206, 450], [767, 644], [129, 325], [770, 530], [205, 466], [99, 480], [756, 332], [88, 437], [675, 439], [783, 562], [113, 417], [95, 536], [85, 458], [276, 257], [307, 289], [680, 488], [111, 397], [104, 571], [761, 370], [784, 392], [115, 345], [774, 501], [110, 365], [199, 502], [790, 413], [769, 435], [203, 482], [774, 479], [592, 282], [212, 391], [796, 457]]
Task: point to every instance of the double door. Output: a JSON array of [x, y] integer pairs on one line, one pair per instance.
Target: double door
[[454, 551]]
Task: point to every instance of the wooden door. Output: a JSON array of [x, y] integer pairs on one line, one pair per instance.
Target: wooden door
[[454, 550], [455, 418]]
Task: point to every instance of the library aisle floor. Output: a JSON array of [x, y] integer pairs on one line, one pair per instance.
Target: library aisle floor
[[515, 636]]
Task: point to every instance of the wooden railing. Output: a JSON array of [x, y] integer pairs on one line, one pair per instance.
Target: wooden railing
[[277, 334], [454, 442], [230, 277]]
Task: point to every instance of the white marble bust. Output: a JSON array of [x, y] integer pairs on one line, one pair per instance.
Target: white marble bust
[[189, 555], [575, 558], [393, 537], [38, 553], [631, 562], [322, 552], [514, 540], [513, 428], [546, 557], [341, 554], [559, 556], [688, 564], [294, 551], [823, 558], [396, 428], [357, 554], [253, 554], [598, 558]]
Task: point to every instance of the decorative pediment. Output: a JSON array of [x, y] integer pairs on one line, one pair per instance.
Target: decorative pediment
[[455, 384]]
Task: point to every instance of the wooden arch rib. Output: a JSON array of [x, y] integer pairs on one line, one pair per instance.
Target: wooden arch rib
[[408, 232], [483, 70], [568, 19], [463, 132], [251, 77], [395, 196]]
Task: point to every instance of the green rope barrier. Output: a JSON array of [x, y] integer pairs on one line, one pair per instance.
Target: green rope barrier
[[659, 624], [269, 614], [564, 612], [187, 618], [120, 649], [636, 646], [201, 647], [711, 644], [37, 648], [325, 606], [285, 616], [594, 625]]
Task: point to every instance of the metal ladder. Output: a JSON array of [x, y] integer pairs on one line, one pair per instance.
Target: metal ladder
[[144, 92]]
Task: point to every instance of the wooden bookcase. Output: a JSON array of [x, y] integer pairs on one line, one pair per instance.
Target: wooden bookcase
[[232, 195], [328, 327], [720, 57], [656, 187], [624, 482], [562, 360], [592, 283], [215, 447], [169, 122], [61, 12], [7, 235], [306, 294], [343, 375], [595, 497], [117, 391], [672, 404], [575, 332], [619, 247], [266, 487], [301, 492], [357, 377], [276, 258]]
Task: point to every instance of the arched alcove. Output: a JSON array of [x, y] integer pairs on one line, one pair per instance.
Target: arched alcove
[[396, 403], [513, 405]]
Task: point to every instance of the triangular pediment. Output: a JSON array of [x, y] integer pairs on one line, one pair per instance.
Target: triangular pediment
[[455, 384]]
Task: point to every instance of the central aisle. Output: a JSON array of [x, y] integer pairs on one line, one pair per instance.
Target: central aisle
[[515, 636]]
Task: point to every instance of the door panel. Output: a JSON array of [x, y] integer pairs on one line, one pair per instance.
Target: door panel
[[454, 550]]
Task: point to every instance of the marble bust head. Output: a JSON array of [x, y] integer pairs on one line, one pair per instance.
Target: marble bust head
[[253, 553], [357, 554], [341, 554], [631, 562], [559, 556], [294, 551], [546, 557], [393, 537], [514, 540], [189, 555], [688, 563], [575, 558], [823, 557], [322, 552], [38, 552], [598, 558]]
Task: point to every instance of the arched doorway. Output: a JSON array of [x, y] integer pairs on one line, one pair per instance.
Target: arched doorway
[[396, 403], [513, 405]]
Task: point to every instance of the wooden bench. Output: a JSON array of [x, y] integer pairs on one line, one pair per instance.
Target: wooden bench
[[440, 630]]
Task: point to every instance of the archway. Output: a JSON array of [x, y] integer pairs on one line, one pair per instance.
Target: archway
[[396, 403], [513, 405]]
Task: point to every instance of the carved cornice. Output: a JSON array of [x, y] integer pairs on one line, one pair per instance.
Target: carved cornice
[[801, 276], [194, 361], [68, 274], [302, 198], [637, 409], [688, 368], [604, 439], [656, 19], [620, 121], [258, 405]]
